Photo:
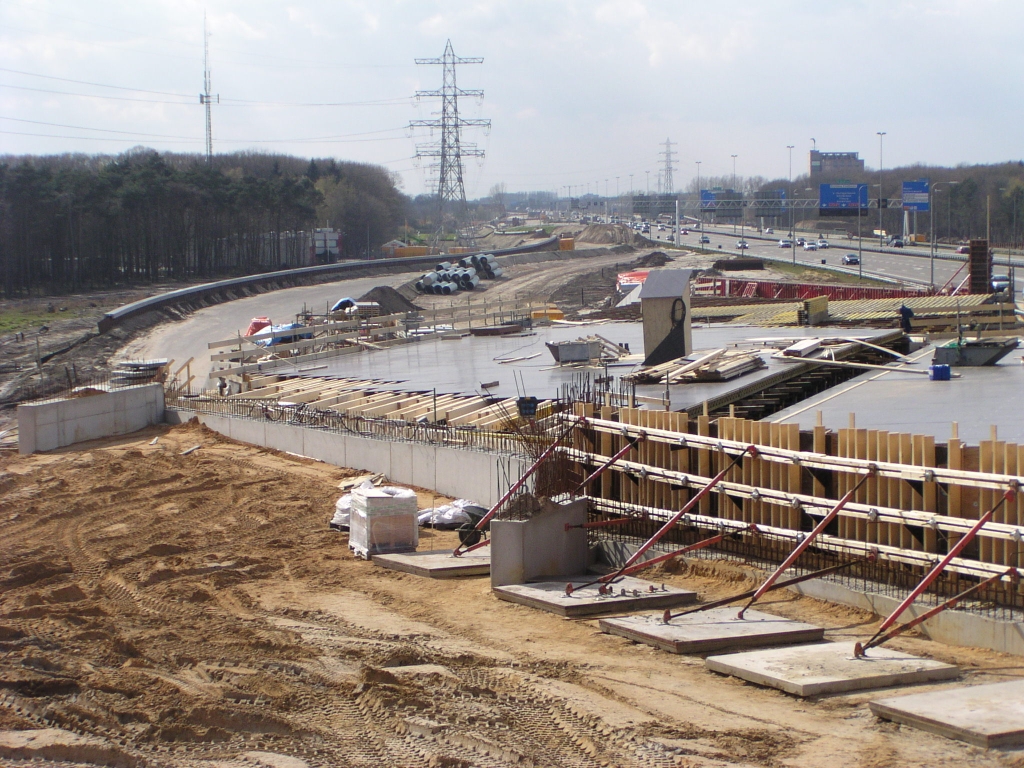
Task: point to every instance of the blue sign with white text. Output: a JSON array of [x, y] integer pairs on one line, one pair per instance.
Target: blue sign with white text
[[915, 195], [842, 196]]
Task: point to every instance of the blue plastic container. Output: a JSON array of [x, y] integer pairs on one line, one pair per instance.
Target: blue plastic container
[[938, 372]]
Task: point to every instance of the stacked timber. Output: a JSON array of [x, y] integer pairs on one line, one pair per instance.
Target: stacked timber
[[717, 365]]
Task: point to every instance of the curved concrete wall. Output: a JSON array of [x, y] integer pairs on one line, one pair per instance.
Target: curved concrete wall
[[218, 290]]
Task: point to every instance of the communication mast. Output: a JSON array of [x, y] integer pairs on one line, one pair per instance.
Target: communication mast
[[668, 187], [449, 151], [206, 97]]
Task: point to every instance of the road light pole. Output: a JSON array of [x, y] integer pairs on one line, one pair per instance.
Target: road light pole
[[700, 210], [931, 234], [790, 206], [880, 236], [648, 183], [734, 190]]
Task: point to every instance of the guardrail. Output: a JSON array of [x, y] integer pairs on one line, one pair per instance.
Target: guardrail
[[221, 287]]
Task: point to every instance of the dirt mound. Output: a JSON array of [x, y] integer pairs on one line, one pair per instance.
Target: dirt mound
[[656, 259], [391, 301], [605, 234]]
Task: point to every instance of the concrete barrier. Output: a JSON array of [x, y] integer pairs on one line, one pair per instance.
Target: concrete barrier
[[453, 472], [55, 424]]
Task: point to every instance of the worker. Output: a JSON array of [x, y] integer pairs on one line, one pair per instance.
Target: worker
[[905, 314]]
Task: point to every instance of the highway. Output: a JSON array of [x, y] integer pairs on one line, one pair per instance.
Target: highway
[[909, 265]]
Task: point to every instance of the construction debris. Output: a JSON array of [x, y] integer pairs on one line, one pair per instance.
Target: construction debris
[[590, 349], [716, 365]]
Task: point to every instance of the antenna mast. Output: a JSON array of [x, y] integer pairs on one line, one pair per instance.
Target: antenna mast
[[206, 97], [451, 190]]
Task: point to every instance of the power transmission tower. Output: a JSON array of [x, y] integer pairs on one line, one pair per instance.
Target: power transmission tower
[[451, 191], [206, 97], [668, 187]]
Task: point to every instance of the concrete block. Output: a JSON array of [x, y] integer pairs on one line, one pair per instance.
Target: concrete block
[[254, 432], [629, 594], [438, 564], [424, 467], [540, 547], [46, 413], [715, 630], [285, 437], [811, 670], [401, 463], [326, 446], [370, 455], [48, 437], [27, 426], [465, 473], [990, 716]]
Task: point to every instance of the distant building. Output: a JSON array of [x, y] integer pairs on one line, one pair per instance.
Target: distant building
[[831, 163]]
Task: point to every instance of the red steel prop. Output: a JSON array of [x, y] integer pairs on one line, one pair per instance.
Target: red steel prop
[[933, 574], [630, 445], [709, 542], [858, 649], [668, 616], [604, 580], [458, 551], [799, 549]]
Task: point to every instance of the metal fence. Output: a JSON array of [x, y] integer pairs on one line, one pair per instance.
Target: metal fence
[[518, 444]]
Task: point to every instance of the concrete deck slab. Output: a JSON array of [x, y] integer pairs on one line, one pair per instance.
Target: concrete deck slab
[[990, 716], [714, 630], [638, 595], [810, 670], [438, 563]]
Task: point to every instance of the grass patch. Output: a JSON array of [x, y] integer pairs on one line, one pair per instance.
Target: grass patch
[[15, 320]]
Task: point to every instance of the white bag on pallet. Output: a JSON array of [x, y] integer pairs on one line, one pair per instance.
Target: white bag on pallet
[[383, 520]]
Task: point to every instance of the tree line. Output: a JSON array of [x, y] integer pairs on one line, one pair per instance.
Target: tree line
[[81, 222]]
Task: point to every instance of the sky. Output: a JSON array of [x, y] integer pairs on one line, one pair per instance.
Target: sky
[[580, 93]]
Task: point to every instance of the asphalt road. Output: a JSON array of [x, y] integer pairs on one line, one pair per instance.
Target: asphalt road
[[189, 337], [910, 265]]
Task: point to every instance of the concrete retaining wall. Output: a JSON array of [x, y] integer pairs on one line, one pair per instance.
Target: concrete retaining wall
[[45, 426], [454, 472]]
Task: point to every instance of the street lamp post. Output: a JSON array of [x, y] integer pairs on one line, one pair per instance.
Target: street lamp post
[[648, 182], [880, 236], [700, 212], [792, 243], [734, 190], [931, 234]]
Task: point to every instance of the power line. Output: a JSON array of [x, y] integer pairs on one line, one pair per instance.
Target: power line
[[100, 130], [98, 85]]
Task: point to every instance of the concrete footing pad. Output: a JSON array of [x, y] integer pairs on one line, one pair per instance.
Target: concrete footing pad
[[715, 630], [990, 716], [629, 594], [438, 563], [811, 670]]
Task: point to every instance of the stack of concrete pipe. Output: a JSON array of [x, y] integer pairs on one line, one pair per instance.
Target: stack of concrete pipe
[[447, 278]]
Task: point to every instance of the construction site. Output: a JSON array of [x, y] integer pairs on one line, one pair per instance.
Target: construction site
[[610, 507]]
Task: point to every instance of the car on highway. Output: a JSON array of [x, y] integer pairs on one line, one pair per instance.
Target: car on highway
[[809, 246], [801, 241], [704, 239], [851, 258], [684, 232], [769, 231], [742, 245], [822, 243], [785, 243], [1000, 283], [963, 249], [896, 242]]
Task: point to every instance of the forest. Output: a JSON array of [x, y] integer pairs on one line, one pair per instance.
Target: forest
[[70, 223]]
